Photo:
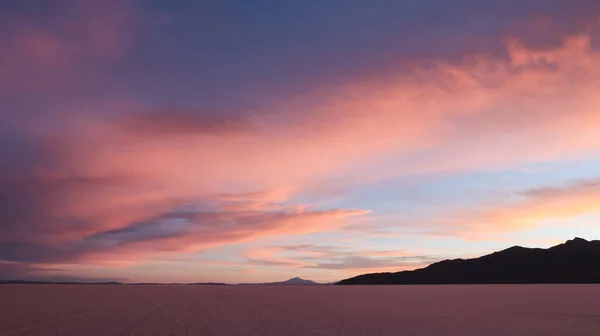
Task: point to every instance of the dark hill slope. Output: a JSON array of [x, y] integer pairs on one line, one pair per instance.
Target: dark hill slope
[[576, 261]]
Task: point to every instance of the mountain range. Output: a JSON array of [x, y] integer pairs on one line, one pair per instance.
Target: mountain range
[[575, 261], [35, 282], [293, 281]]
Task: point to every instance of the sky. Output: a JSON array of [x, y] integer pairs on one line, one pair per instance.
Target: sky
[[254, 141]]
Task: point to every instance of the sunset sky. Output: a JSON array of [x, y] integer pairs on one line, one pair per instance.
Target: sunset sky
[[247, 141]]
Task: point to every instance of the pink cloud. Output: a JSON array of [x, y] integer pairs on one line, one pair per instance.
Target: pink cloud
[[471, 115], [529, 209], [344, 259], [119, 179], [174, 122], [91, 220], [55, 54]]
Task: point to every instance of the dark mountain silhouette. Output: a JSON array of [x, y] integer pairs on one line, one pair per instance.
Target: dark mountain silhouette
[[575, 261], [33, 282]]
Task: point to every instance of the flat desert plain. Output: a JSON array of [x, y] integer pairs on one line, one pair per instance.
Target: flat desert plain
[[481, 310]]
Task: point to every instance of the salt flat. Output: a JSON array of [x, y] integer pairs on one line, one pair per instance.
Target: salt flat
[[486, 310]]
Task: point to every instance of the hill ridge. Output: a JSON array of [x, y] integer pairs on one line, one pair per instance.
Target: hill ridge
[[574, 261]]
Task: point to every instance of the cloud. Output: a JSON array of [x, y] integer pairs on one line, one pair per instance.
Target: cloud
[[309, 256], [95, 161], [97, 185], [526, 209], [269, 256], [40, 272], [309, 48], [446, 118], [57, 208], [96, 178], [539, 206], [184, 229], [574, 189], [56, 53], [191, 230], [358, 263], [170, 122]]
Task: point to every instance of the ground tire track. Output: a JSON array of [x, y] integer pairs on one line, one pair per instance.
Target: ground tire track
[[55, 322], [127, 330]]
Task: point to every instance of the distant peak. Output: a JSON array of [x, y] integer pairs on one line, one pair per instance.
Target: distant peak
[[577, 240], [299, 281], [516, 247]]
